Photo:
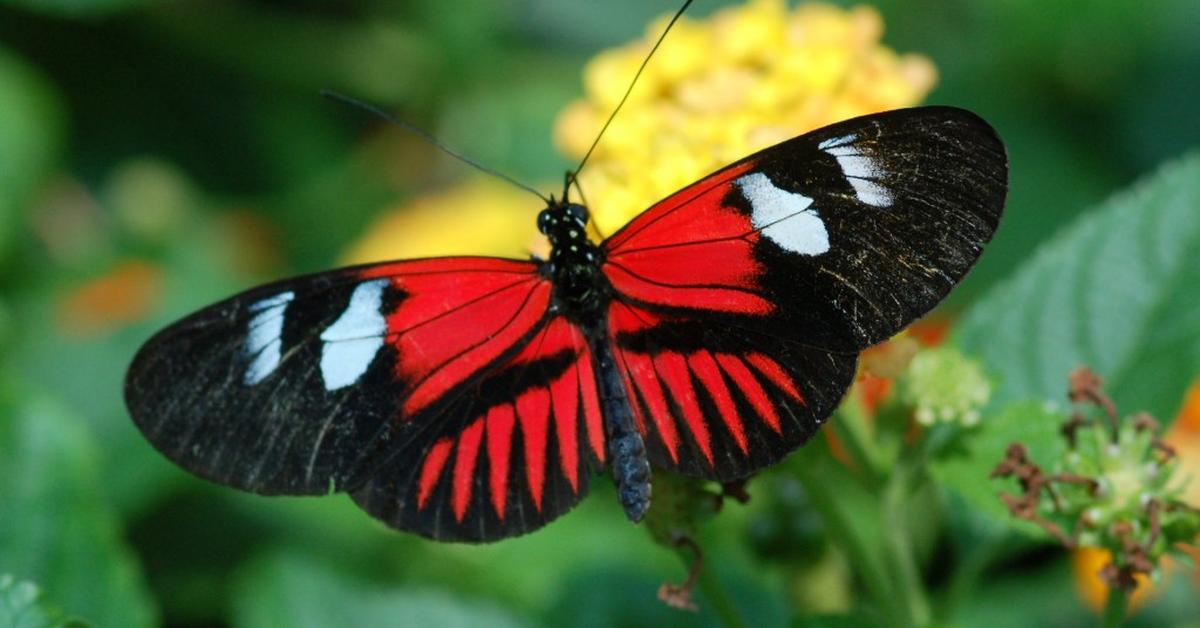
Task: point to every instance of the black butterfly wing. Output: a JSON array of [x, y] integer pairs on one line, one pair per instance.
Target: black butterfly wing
[[417, 384], [789, 262]]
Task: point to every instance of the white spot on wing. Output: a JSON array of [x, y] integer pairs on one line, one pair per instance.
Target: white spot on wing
[[787, 218], [840, 140], [352, 341], [263, 336], [860, 170]]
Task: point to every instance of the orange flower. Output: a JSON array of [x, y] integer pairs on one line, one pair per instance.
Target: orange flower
[[1086, 563], [128, 292], [1184, 436]]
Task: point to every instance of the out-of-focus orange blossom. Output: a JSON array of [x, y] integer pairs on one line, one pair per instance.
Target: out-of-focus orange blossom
[[881, 364], [1184, 437], [1086, 563], [125, 294], [718, 89]]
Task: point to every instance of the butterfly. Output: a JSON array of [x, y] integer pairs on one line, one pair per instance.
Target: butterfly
[[469, 398]]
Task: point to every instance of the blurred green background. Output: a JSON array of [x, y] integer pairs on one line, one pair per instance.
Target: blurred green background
[[180, 151]]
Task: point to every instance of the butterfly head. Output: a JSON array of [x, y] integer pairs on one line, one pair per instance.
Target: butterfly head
[[565, 223], [561, 218]]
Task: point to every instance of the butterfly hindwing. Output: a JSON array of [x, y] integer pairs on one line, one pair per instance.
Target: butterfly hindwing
[[321, 383], [508, 455], [742, 300], [720, 405]]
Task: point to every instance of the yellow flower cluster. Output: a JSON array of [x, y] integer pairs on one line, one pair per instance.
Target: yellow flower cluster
[[723, 87], [718, 89]]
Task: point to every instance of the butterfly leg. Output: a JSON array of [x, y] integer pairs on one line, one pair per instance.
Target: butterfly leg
[[626, 449]]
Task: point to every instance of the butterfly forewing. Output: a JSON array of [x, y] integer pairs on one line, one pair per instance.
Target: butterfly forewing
[[320, 383], [236, 392], [507, 455], [742, 300], [837, 239]]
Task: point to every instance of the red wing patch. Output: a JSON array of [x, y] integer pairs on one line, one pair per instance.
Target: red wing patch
[[690, 251], [533, 414], [431, 468], [456, 318], [464, 467], [679, 213]]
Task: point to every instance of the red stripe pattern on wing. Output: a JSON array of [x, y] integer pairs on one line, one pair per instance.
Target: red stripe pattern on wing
[[521, 456], [687, 400]]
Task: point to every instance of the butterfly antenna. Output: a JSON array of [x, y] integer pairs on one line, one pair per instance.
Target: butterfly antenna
[[427, 136], [674, 18]]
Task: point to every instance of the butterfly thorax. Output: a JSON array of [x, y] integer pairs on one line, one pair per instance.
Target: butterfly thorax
[[574, 264]]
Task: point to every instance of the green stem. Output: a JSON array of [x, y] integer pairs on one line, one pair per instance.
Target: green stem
[[718, 599], [853, 432], [1115, 608], [842, 531], [898, 540], [968, 573]]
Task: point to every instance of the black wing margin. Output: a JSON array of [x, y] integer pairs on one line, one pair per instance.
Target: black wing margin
[[233, 392], [908, 199]]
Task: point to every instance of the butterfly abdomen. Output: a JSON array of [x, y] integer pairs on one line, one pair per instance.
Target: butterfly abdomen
[[582, 294], [626, 449]]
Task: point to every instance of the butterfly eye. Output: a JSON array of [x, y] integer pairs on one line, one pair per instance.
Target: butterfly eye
[[543, 221], [579, 213]]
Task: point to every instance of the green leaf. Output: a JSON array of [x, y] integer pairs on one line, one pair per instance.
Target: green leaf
[[1118, 291], [76, 8], [967, 470], [30, 136], [56, 528], [834, 621], [290, 590], [22, 606], [1037, 595], [599, 596], [199, 266]]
